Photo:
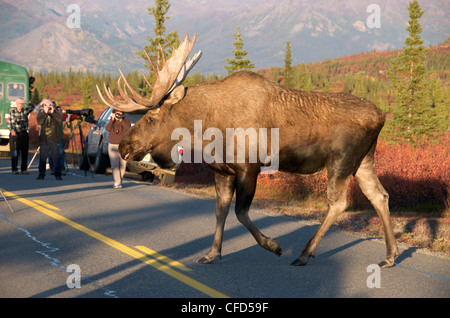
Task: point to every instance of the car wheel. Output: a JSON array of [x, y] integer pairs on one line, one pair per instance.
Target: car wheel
[[147, 176], [101, 160]]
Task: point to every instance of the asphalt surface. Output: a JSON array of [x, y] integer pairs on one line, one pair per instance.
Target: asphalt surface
[[143, 242]]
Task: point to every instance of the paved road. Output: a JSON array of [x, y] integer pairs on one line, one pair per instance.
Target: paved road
[[143, 241]]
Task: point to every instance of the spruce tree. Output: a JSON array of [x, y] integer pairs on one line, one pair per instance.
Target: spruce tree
[[86, 84], [167, 42], [304, 79], [35, 98], [288, 71], [239, 62], [408, 73]]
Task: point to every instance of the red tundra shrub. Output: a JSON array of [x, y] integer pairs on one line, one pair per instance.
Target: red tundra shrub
[[411, 175]]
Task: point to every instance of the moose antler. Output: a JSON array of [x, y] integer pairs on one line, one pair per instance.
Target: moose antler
[[172, 74]]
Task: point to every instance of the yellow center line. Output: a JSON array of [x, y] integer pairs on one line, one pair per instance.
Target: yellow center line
[[163, 258], [46, 205], [121, 247]]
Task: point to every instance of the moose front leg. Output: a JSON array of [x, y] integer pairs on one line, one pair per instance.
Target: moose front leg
[[245, 190], [225, 190]]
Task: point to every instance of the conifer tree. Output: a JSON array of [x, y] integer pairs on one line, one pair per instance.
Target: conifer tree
[[86, 84], [304, 79], [35, 98], [408, 72], [239, 62], [349, 84], [288, 71], [167, 42]]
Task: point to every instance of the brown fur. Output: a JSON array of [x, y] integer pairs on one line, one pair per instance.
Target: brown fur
[[317, 131]]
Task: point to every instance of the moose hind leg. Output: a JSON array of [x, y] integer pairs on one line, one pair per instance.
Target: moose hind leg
[[225, 191], [337, 203], [377, 195]]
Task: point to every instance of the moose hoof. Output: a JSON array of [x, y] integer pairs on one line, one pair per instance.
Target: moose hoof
[[302, 260], [272, 246], [386, 263], [389, 261], [207, 259], [278, 251]]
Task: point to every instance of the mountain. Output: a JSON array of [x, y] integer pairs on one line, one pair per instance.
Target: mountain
[[35, 33]]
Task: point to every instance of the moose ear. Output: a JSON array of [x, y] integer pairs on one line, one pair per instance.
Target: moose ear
[[175, 96]]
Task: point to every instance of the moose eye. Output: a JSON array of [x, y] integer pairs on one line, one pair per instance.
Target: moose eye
[[151, 120]]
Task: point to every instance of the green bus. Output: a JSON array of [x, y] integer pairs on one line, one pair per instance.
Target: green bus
[[14, 84]]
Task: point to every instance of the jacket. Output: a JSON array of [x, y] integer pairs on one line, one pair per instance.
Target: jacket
[[50, 126], [117, 129]]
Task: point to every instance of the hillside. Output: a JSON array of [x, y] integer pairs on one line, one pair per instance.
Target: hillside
[[375, 64], [35, 34]]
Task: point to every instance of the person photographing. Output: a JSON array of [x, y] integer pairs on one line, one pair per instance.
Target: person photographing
[[117, 127], [49, 118], [19, 138]]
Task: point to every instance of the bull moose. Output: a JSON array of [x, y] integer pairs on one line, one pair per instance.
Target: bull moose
[[332, 132]]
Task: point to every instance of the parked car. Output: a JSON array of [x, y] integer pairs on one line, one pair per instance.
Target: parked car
[[97, 151]]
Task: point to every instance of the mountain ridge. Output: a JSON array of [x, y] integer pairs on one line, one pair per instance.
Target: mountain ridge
[[36, 35]]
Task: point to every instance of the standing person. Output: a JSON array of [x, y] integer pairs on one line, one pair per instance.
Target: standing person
[[49, 118], [117, 127], [62, 155], [18, 137]]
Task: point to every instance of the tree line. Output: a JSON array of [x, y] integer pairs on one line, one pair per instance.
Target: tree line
[[408, 84]]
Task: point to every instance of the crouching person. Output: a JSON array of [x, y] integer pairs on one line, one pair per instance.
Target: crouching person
[[49, 118]]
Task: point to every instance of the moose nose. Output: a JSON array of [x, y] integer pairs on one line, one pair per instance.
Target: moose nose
[[124, 151]]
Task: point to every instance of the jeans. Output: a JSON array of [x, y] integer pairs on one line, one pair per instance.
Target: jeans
[[62, 158], [18, 146], [118, 165], [52, 149]]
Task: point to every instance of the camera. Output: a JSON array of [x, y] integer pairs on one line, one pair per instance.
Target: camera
[[82, 112], [87, 114], [118, 116]]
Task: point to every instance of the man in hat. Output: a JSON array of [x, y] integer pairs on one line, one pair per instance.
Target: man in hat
[[50, 118], [18, 137]]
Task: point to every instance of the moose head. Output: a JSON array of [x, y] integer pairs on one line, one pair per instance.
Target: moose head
[[147, 135]]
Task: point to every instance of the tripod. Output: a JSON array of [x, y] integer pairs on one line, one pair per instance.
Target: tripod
[[4, 198], [84, 162]]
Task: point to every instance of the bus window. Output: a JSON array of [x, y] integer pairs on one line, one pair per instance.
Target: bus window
[[15, 91], [1, 90]]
